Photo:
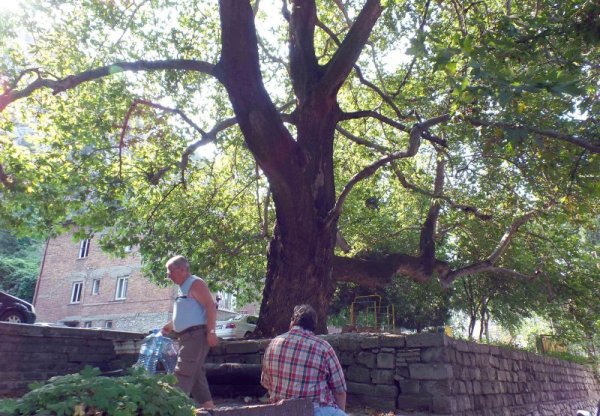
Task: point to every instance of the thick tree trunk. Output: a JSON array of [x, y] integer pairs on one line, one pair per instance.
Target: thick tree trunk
[[296, 275], [300, 169], [300, 255]]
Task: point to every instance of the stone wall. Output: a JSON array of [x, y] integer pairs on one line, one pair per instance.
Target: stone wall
[[426, 374], [432, 374], [36, 353]]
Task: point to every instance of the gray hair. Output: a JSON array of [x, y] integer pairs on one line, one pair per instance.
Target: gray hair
[[178, 261]]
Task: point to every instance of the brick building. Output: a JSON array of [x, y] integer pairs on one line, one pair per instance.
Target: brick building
[[81, 286]]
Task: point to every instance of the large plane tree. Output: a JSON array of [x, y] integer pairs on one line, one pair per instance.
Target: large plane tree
[[353, 140]]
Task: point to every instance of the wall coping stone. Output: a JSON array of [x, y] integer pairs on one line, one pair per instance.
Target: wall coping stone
[[32, 330], [427, 339]]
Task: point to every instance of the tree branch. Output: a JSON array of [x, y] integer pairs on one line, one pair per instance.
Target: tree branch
[[362, 141], [59, 85], [586, 144], [427, 238], [508, 236], [303, 62], [340, 6], [414, 142], [206, 137], [465, 208], [239, 70], [344, 59], [393, 123], [414, 60], [447, 276], [378, 273]]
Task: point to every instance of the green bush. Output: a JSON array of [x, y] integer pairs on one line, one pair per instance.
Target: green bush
[[88, 393]]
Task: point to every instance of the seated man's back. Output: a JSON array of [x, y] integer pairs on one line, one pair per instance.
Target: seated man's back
[[298, 364]]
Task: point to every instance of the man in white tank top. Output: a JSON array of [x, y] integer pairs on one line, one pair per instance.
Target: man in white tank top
[[194, 321]]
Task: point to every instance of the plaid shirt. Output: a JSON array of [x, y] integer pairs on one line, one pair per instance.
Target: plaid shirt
[[299, 364]]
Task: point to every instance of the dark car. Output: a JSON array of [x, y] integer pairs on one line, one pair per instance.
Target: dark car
[[15, 310]]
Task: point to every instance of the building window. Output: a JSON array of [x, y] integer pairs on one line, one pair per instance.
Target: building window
[[95, 286], [76, 292], [87, 324], [108, 324], [84, 248], [121, 288]]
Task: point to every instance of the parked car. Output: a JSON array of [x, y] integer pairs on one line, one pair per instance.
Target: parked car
[[588, 413], [239, 326], [15, 310]]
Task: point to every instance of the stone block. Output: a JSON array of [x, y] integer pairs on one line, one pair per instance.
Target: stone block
[[358, 374], [241, 347], [370, 342], [494, 362], [414, 403], [420, 371], [408, 356], [393, 341], [367, 389], [382, 376], [461, 346], [349, 342], [386, 360], [409, 387], [346, 357], [435, 354], [427, 339], [441, 404], [402, 372], [436, 388], [368, 359]]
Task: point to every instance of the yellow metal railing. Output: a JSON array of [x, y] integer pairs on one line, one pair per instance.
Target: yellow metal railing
[[375, 317]]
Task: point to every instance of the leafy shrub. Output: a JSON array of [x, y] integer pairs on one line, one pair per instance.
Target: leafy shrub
[[88, 393]]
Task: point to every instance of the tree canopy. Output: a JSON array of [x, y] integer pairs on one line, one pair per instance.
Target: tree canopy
[[285, 146]]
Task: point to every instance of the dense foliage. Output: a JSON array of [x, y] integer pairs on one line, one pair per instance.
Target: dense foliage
[[139, 393], [19, 264], [476, 120]]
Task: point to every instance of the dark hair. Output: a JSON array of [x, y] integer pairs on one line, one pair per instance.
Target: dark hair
[[305, 316]]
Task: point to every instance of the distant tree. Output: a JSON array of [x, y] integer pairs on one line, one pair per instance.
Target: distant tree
[[19, 264]]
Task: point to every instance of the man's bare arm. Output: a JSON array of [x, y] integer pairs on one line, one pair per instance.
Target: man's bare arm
[[201, 293], [340, 399]]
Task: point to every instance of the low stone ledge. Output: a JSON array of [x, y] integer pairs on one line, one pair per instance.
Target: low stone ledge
[[31, 330], [427, 339], [296, 407]]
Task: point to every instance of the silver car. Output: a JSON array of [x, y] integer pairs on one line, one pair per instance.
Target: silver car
[[240, 326]]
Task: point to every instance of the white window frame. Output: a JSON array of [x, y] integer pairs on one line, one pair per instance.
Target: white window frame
[[77, 291], [84, 248], [95, 287], [108, 324], [121, 292]]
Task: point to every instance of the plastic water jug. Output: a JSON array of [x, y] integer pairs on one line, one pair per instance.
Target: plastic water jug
[[157, 348]]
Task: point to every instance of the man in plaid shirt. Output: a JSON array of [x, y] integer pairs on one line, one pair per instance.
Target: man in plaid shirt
[[299, 364]]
